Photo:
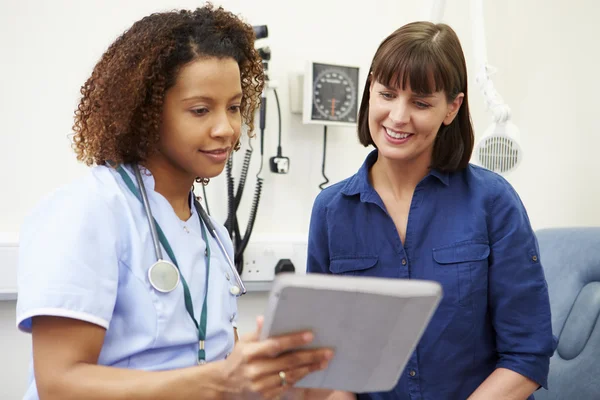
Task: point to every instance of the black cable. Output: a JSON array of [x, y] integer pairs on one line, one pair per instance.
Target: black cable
[[239, 240], [262, 139], [279, 120], [231, 206], [242, 242], [321, 186], [251, 219], [240, 188], [262, 124], [234, 198]]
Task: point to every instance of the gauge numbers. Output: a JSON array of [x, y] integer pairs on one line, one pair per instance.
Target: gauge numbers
[[334, 94]]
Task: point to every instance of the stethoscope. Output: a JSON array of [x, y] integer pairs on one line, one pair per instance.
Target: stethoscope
[[164, 276]]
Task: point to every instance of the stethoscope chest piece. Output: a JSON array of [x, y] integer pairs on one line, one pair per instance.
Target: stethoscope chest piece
[[163, 276]]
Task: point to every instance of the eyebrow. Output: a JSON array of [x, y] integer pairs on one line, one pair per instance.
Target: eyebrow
[[418, 95], [424, 95], [210, 99]]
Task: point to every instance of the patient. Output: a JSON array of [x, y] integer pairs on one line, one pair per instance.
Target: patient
[[417, 209]]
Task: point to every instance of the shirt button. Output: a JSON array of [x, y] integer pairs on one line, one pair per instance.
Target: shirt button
[[534, 258], [404, 261], [412, 373]]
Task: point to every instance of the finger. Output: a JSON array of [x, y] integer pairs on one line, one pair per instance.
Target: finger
[[260, 320], [249, 337], [296, 359], [272, 385], [272, 347], [255, 336]]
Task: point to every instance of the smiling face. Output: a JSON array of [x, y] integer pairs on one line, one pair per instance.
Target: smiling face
[[405, 124], [418, 84], [201, 119]]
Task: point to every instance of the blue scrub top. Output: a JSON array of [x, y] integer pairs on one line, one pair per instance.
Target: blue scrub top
[[84, 253], [469, 231]]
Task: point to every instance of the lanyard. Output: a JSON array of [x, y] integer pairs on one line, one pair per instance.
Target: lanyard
[[201, 327]]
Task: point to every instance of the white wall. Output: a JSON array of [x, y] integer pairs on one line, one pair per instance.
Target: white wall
[[546, 53]]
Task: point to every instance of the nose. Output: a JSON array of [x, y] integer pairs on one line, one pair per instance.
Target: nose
[[224, 126], [399, 112]]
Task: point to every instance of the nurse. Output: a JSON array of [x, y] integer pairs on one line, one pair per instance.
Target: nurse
[[417, 209], [125, 288]]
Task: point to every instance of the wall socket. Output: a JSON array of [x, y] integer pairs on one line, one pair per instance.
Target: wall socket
[[264, 251]]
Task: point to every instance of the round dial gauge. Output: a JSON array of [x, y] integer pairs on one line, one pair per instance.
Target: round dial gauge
[[335, 95]]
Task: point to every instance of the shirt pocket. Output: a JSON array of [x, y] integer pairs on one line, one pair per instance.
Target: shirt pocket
[[459, 265], [353, 265]]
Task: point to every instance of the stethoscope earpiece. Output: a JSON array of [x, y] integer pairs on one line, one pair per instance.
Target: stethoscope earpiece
[[235, 290]]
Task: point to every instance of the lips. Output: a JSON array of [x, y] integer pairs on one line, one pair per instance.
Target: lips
[[218, 156], [216, 151], [397, 134]]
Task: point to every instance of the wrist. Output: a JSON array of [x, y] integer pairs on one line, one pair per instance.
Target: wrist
[[221, 378], [212, 380]]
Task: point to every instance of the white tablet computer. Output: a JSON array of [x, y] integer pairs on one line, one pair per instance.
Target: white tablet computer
[[372, 324]]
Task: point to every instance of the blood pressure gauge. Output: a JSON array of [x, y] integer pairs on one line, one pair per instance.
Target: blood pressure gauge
[[330, 94]]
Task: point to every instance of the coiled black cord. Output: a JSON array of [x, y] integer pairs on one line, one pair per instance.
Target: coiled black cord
[[231, 207], [245, 167], [240, 242], [239, 254]]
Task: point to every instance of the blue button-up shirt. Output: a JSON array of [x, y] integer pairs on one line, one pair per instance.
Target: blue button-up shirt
[[469, 231]]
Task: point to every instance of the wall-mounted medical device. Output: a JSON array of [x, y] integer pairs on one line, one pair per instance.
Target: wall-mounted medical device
[[330, 95], [499, 148], [326, 94]]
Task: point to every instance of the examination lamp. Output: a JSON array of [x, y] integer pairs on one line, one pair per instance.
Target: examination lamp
[[260, 31], [265, 53]]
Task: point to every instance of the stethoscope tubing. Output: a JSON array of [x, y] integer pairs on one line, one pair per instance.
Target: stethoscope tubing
[[153, 232], [205, 219]]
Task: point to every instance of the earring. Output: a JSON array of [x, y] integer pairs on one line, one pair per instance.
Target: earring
[[203, 181], [237, 145]]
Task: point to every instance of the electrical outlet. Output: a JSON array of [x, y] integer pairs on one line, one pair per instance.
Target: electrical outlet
[[264, 252], [279, 164]]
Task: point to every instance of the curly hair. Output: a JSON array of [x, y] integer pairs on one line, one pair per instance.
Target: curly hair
[[119, 114]]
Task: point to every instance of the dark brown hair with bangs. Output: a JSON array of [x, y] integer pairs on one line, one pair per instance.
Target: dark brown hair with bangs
[[429, 58]]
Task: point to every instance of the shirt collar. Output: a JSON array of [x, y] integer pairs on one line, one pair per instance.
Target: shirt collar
[[443, 177], [149, 182], [359, 183], [145, 173]]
